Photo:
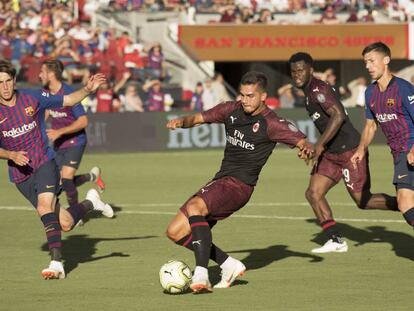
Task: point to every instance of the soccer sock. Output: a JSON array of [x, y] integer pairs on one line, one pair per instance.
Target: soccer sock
[[53, 234], [331, 230], [79, 180], [77, 211], [202, 239], [216, 254], [409, 216], [71, 191]]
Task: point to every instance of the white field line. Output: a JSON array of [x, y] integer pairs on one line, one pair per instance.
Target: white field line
[[248, 216]]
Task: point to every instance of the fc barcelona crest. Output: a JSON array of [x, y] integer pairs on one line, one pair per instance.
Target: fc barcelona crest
[[390, 102], [256, 127], [29, 111]]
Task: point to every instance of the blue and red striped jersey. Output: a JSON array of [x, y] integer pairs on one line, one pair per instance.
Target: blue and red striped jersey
[[393, 109], [22, 128], [65, 116]]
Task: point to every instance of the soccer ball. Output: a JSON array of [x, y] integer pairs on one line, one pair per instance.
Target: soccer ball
[[175, 277]]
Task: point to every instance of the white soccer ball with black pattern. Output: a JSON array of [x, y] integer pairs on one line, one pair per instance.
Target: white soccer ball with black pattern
[[175, 277]]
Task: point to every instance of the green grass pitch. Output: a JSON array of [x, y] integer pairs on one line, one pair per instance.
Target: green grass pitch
[[114, 264]]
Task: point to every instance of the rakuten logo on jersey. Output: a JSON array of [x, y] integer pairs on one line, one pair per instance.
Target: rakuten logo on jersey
[[18, 131], [386, 117]]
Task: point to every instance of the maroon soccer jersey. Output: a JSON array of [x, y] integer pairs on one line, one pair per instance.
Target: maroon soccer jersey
[[319, 98], [250, 139]]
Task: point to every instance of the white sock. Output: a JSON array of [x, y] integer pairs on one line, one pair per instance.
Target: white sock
[[200, 272], [228, 263]]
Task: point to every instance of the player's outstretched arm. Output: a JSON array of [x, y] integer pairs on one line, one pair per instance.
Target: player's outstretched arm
[[18, 157], [91, 86], [186, 121], [366, 138]]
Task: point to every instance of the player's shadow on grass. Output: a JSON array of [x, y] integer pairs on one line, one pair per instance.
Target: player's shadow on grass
[[81, 248], [96, 214], [261, 257], [402, 243]]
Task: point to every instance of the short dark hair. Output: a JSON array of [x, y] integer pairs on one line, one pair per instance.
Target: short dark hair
[[56, 66], [301, 56], [255, 77], [378, 47], [7, 67]]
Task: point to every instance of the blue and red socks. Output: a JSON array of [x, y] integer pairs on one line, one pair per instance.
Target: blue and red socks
[[409, 216], [71, 192], [53, 234], [79, 180], [79, 210]]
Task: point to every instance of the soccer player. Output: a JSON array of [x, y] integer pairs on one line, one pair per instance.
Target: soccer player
[[252, 131], [23, 142], [67, 133], [389, 102], [337, 143]]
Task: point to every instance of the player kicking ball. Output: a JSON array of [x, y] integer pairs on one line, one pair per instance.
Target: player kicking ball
[[32, 167], [252, 131]]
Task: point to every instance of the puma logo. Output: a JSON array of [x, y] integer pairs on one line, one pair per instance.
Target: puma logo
[[233, 119], [198, 242]]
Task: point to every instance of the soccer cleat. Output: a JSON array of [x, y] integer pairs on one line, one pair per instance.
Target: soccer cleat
[[332, 247], [200, 285], [54, 271], [229, 275], [97, 178], [98, 204]]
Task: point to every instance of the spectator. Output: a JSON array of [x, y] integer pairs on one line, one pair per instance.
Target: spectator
[[329, 17], [331, 79], [357, 89], [209, 96], [286, 97], [265, 17], [130, 101], [155, 96], [228, 14], [107, 99], [156, 68], [219, 88], [197, 100]]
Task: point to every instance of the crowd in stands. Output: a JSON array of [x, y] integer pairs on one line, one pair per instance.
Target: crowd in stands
[[34, 30]]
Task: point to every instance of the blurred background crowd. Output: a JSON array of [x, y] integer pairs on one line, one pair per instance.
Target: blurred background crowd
[[138, 75]]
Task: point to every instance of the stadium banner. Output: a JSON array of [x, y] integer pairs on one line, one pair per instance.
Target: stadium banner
[[134, 131], [277, 42]]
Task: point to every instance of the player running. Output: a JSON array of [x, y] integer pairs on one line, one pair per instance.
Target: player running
[[389, 102], [67, 133], [252, 131], [338, 142], [23, 142]]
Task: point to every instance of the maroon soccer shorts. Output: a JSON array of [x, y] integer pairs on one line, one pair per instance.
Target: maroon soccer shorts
[[223, 197], [338, 165]]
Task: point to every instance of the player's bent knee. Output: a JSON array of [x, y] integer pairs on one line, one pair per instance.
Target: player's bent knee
[[310, 195], [66, 226]]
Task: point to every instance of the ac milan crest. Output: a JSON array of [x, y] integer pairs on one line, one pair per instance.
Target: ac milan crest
[[321, 98], [256, 127]]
